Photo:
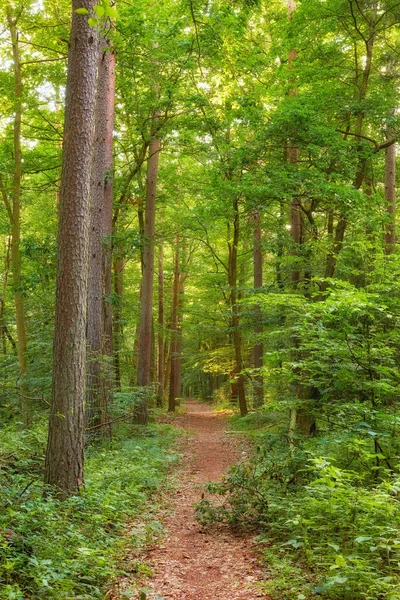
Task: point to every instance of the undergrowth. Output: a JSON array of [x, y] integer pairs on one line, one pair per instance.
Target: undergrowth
[[74, 549], [327, 512]]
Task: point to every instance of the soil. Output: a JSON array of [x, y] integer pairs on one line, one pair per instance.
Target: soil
[[196, 563]]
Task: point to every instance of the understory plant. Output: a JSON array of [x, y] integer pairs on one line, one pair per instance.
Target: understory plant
[[75, 548], [324, 501]]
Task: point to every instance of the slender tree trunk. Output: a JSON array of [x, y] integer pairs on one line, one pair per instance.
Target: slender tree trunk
[[337, 246], [293, 154], [119, 265], [390, 198], [146, 312], [258, 382], [26, 408], [178, 360], [167, 370], [3, 296], [299, 417], [280, 244], [64, 457], [108, 380], [341, 226], [174, 332], [237, 338], [178, 353], [161, 352], [94, 371]]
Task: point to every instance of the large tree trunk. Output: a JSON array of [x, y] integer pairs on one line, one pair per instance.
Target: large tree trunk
[[146, 310], [64, 457], [95, 412], [108, 380], [15, 216], [258, 382]]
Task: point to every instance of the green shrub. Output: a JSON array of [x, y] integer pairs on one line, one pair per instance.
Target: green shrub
[[324, 530], [74, 548]]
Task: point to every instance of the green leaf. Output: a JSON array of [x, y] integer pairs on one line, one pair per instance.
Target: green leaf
[[82, 11], [93, 22], [99, 10], [340, 561], [111, 12], [334, 546], [295, 543]]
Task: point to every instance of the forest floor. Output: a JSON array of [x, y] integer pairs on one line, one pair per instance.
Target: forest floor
[[193, 562]]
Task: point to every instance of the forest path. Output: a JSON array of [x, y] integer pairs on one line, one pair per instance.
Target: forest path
[[192, 563]]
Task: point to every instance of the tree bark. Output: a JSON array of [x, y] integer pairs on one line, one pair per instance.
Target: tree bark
[[119, 265], [95, 411], [174, 333], [237, 376], [160, 337], [144, 353], [15, 218], [65, 448], [108, 381], [258, 382], [3, 326], [390, 199]]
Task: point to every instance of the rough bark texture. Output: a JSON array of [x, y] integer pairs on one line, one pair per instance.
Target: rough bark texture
[[161, 350], [95, 411], [15, 217], [258, 282], [64, 457], [238, 385], [119, 265], [390, 199], [144, 353], [174, 333], [107, 382], [3, 326]]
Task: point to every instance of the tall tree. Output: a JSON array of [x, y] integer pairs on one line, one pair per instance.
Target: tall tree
[[174, 347], [237, 388], [160, 337], [65, 447], [14, 210], [390, 197], [258, 282], [108, 380], [97, 372], [146, 313]]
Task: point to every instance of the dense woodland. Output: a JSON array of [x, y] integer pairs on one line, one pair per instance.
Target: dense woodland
[[198, 199]]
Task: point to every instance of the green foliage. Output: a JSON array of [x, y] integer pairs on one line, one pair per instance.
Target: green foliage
[[314, 514], [74, 548]]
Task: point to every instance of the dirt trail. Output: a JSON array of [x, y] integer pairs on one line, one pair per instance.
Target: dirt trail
[[193, 564]]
